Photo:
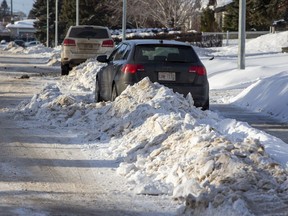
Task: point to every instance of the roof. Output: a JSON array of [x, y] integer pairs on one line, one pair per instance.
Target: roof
[[29, 23]]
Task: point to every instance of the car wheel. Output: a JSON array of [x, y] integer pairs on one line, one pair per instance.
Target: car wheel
[[114, 93], [65, 69], [97, 91], [206, 105]]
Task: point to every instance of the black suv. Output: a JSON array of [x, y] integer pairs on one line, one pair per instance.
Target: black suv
[[171, 63]]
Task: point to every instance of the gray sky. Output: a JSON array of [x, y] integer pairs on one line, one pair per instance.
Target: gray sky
[[21, 5]]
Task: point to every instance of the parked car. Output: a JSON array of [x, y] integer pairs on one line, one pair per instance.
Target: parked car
[[20, 43], [171, 63], [32, 43], [83, 42], [3, 42]]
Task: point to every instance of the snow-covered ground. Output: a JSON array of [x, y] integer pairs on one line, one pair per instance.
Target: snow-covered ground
[[167, 147]]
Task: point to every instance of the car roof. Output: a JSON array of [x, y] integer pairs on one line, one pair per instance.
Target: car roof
[[155, 41], [91, 26]]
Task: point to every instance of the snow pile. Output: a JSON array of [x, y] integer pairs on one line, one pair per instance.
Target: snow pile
[[39, 49], [167, 146], [13, 47], [34, 50], [264, 80], [276, 42], [164, 145], [170, 147], [257, 95], [84, 75], [267, 43]]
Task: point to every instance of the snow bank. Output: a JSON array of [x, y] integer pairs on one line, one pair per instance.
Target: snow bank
[[264, 80], [268, 43], [164, 145], [167, 146], [273, 89], [39, 50]]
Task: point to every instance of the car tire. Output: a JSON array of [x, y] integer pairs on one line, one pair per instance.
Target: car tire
[[65, 69], [114, 93], [97, 91], [206, 105]]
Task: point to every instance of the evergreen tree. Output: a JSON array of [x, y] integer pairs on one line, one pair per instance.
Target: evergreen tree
[[260, 14], [39, 12], [208, 22], [232, 17], [255, 15], [276, 9], [68, 16], [265, 12], [91, 12], [4, 10], [285, 16]]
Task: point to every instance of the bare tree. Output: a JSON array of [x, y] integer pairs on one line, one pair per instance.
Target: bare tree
[[157, 13], [137, 13], [176, 13]]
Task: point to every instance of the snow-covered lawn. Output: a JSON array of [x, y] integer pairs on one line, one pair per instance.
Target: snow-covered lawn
[[166, 146]]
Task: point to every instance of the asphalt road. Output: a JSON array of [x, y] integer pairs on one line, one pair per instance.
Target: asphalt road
[[43, 171]]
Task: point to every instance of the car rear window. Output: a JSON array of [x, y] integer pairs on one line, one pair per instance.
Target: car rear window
[[89, 32], [171, 53]]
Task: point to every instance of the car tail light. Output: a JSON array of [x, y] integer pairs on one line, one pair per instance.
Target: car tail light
[[200, 70], [69, 42], [132, 68], [108, 43]]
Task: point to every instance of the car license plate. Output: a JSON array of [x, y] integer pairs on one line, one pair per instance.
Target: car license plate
[[166, 76], [89, 46]]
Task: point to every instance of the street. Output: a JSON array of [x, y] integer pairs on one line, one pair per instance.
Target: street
[[41, 172], [257, 120], [44, 172]]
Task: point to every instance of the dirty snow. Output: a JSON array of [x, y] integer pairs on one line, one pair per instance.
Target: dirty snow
[[166, 146]]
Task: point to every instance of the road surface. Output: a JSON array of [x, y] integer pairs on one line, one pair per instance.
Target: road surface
[[260, 121], [42, 172]]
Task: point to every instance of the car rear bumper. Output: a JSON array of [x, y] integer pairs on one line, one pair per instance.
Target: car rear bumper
[[200, 93], [76, 59], [73, 62]]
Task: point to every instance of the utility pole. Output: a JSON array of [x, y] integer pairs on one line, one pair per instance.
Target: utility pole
[[124, 20], [77, 12], [242, 34], [12, 18], [56, 24], [47, 28]]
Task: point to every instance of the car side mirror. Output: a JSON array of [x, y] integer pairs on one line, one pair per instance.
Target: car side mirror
[[102, 58]]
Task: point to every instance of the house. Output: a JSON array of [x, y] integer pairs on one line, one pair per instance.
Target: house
[[23, 29], [4, 33], [220, 9]]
